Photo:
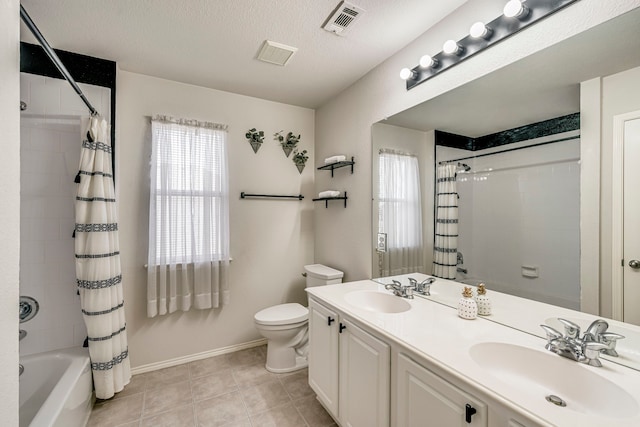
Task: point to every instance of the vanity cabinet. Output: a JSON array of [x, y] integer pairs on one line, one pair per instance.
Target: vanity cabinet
[[425, 399], [349, 369]]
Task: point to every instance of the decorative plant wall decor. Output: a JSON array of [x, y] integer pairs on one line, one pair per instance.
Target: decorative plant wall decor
[[289, 143], [299, 159], [256, 138]]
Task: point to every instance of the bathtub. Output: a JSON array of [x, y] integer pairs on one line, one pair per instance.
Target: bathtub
[[56, 389]]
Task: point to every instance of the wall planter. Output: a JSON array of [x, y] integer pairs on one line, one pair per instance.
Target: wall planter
[[288, 143], [299, 159], [256, 138]]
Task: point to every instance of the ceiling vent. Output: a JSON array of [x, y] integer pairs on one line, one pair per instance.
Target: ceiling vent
[[343, 18], [276, 53]]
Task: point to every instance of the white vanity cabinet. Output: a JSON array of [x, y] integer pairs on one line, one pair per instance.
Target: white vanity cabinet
[[349, 369], [424, 399]]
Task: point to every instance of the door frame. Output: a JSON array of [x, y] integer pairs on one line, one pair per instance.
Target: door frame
[[617, 213]]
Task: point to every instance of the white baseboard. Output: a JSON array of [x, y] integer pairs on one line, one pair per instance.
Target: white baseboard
[[193, 357]]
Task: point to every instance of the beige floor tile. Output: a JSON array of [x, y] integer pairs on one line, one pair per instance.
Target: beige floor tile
[[116, 411], [209, 366], [297, 384], [225, 410], [136, 385], [131, 424], [267, 395], [161, 399], [213, 385], [178, 417], [282, 416], [313, 412], [250, 356], [252, 375], [166, 376]]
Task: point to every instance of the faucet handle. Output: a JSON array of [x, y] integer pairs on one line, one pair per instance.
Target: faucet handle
[[591, 353], [610, 339], [571, 330], [395, 285], [413, 281], [552, 335]]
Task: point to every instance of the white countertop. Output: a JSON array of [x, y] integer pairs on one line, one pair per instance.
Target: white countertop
[[435, 333]]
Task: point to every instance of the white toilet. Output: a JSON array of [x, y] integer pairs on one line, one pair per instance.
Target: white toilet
[[285, 326]]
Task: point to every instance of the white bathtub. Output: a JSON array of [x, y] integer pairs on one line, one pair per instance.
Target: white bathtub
[[56, 389]]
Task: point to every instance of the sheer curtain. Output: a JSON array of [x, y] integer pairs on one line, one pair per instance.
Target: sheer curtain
[[98, 273], [400, 213], [445, 248], [188, 216]]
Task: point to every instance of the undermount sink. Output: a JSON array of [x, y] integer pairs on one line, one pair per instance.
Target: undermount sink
[[378, 302], [545, 375]]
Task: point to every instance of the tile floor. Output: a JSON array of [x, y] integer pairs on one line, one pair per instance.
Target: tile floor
[[228, 390]]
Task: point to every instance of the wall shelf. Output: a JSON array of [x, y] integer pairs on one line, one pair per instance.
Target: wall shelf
[[337, 165], [326, 199]]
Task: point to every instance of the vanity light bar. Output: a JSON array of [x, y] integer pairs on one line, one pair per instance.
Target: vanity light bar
[[516, 15]]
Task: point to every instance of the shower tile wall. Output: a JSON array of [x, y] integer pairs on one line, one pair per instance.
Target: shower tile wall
[[49, 157]]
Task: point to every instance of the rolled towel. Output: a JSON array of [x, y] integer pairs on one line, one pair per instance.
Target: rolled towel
[[328, 193], [334, 159]]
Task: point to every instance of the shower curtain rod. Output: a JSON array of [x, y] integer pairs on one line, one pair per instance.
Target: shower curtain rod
[[509, 149], [54, 58]]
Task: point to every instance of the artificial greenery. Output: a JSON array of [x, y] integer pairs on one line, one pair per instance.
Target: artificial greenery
[[300, 157], [255, 135]]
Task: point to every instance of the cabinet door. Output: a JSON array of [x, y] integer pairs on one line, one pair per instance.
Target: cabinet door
[[364, 378], [323, 355], [424, 399]]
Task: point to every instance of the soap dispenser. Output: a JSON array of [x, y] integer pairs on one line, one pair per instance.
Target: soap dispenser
[[483, 301], [467, 307]]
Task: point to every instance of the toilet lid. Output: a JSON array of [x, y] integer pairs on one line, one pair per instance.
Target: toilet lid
[[282, 314]]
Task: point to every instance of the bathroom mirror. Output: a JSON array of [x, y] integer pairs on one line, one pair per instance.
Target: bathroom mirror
[[544, 87]]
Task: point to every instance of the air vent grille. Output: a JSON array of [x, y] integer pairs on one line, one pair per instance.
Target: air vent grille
[[343, 18], [276, 53]]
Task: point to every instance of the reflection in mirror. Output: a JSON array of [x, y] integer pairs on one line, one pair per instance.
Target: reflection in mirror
[[518, 130]]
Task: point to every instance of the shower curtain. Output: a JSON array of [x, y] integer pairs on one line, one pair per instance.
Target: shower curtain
[[98, 273], [445, 247]]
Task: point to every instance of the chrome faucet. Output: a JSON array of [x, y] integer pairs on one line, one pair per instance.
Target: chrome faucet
[[400, 290], [423, 287], [585, 349], [21, 334]]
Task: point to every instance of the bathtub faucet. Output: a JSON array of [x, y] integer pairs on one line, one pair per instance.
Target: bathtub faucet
[[22, 334], [21, 369]]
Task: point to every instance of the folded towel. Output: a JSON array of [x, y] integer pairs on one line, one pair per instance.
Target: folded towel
[[328, 193], [334, 159]]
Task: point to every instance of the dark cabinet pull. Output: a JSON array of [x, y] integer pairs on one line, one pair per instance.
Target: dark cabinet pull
[[330, 320], [342, 327], [469, 411]]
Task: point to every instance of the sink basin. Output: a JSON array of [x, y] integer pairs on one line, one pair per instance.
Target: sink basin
[[378, 302], [539, 374]]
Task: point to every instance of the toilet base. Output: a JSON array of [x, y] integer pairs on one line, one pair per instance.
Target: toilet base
[[284, 359]]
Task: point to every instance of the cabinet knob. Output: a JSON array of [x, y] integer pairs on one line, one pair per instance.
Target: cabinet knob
[[469, 411], [342, 327], [330, 320], [634, 263]]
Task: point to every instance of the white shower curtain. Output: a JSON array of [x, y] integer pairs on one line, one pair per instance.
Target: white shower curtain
[[445, 248], [189, 254], [400, 213], [98, 273]]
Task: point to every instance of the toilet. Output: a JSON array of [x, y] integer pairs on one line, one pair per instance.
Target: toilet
[[286, 326]]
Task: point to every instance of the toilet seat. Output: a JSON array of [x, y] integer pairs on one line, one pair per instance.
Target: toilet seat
[[283, 314]]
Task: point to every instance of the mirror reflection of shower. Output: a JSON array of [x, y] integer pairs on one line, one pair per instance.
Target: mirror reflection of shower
[[519, 217]]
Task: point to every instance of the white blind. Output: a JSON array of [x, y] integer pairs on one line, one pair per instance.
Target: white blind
[[188, 219]]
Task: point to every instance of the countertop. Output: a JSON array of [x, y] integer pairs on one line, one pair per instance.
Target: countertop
[[435, 333]]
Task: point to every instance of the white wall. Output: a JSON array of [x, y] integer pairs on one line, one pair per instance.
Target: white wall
[[343, 240], [271, 240], [10, 212], [50, 153], [522, 208], [422, 144]]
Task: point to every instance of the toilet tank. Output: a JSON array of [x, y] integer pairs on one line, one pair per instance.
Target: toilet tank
[[318, 275]]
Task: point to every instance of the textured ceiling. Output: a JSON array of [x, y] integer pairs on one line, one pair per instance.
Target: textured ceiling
[[214, 43]]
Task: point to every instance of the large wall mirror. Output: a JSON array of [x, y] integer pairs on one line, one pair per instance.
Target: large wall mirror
[[512, 141]]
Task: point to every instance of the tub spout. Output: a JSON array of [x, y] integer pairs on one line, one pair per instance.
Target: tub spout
[[22, 334], [21, 369]]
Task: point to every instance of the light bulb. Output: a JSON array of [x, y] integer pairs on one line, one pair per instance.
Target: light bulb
[[480, 31], [515, 9], [450, 47], [406, 74], [428, 62]]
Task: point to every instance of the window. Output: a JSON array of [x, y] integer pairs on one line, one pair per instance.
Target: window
[[189, 201]]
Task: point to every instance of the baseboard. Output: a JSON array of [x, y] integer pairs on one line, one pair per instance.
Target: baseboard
[[197, 356]]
